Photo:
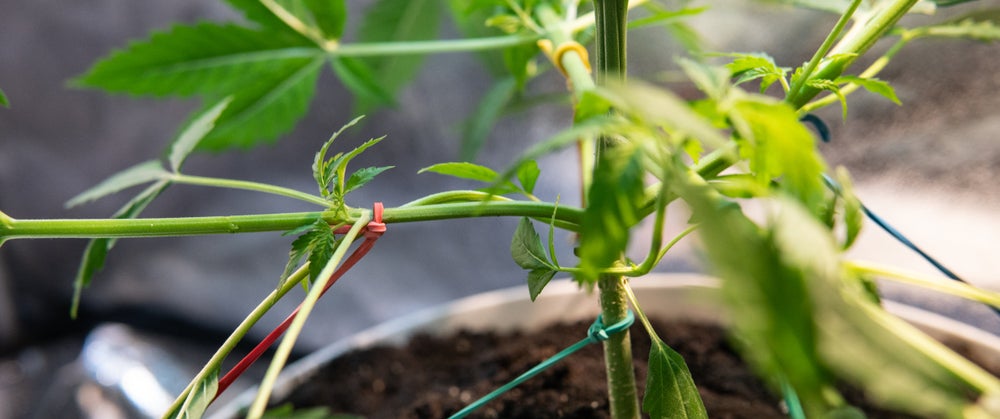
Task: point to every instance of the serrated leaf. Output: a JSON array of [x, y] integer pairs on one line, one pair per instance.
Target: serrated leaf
[[267, 107], [329, 16], [832, 87], [614, 199], [257, 12], [97, 249], [714, 81], [397, 21], [670, 389], [747, 67], [360, 80], [3, 100], [322, 245], [873, 85], [193, 134], [362, 176], [463, 170], [197, 59], [537, 280], [200, 397], [526, 247], [527, 175], [479, 125], [136, 175]]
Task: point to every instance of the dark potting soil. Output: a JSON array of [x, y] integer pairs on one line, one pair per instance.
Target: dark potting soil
[[434, 377]]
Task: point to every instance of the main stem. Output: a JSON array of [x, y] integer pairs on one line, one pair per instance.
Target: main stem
[[611, 20]]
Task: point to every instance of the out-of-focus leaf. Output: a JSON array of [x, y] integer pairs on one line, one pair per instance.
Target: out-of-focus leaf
[[288, 411], [3, 99], [747, 67], [397, 21], [135, 175], [477, 129], [360, 80], [329, 16], [781, 147], [267, 107], [193, 134], [463, 170], [980, 25], [670, 389], [198, 59], [854, 217], [614, 199], [527, 175]]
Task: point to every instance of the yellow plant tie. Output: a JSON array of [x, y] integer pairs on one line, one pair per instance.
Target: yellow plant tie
[[556, 56]]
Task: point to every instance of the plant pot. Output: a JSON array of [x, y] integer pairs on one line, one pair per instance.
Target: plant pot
[[664, 296]]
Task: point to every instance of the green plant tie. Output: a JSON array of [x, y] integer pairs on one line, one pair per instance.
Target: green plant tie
[[792, 400], [597, 332]]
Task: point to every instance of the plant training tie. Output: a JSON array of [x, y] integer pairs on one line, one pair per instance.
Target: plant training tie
[[597, 332], [372, 232]]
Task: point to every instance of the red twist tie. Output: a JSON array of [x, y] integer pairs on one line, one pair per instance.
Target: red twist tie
[[375, 227]]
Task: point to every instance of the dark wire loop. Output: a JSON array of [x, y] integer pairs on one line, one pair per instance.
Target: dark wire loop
[[599, 333], [821, 127]]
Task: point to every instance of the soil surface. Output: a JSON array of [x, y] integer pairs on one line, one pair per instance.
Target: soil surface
[[433, 377]]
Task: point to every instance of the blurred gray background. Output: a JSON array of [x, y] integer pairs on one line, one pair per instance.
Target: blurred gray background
[[929, 167]]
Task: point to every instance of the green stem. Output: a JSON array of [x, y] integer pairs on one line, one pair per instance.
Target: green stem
[[11, 228], [611, 18], [857, 41], [941, 285], [291, 335], [215, 363], [249, 186], [432, 47]]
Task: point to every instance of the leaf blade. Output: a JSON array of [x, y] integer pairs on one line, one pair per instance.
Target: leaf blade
[[463, 170], [194, 133], [670, 389], [526, 247], [144, 172], [196, 59]]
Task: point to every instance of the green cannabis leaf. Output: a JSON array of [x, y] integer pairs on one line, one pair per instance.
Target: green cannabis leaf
[[873, 85], [136, 175], [331, 174], [527, 251], [317, 241], [268, 72], [3, 100], [747, 67], [670, 389], [526, 171]]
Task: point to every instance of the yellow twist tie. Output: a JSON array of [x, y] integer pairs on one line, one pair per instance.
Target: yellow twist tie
[[556, 57]]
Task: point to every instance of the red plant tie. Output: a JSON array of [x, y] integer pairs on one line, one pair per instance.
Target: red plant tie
[[372, 232]]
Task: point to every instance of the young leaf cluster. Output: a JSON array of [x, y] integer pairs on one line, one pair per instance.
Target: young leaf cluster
[[316, 243], [331, 173]]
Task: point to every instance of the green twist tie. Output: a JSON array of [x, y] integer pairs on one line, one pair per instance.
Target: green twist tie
[[597, 332]]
